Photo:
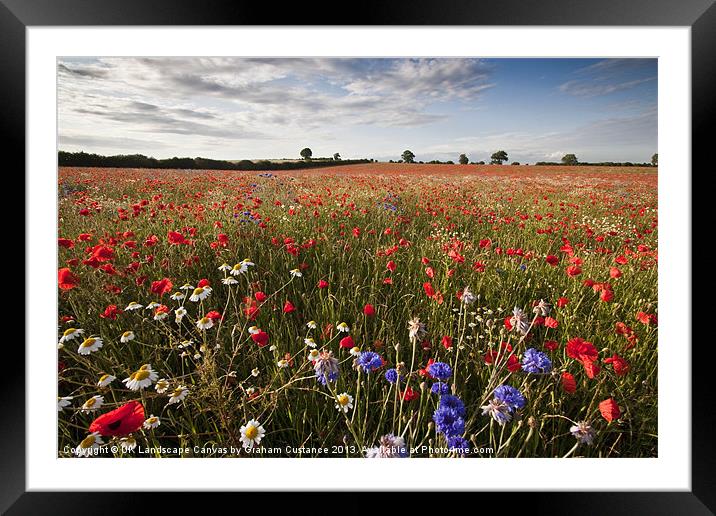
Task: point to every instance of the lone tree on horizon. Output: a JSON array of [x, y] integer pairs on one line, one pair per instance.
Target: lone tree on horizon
[[408, 156], [463, 159], [655, 159], [306, 154], [498, 157], [336, 157], [569, 159]]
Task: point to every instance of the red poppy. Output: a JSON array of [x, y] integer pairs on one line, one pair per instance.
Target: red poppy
[[552, 260], [368, 310], [446, 341], [121, 421], [581, 350], [260, 296], [609, 410], [614, 272], [66, 280], [573, 270], [214, 315], [562, 302], [409, 394], [175, 238], [430, 272], [428, 288], [162, 286], [261, 338], [391, 266], [591, 368], [551, 345], [110, 312], [203, 283], [288, 307], [65, 242], [551, 322], [347, 342], [621, 366], [568, 383], [322, 284]]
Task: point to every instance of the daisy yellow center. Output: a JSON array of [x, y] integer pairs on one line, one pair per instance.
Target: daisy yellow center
[[151, 420], [127, 334], [90, 402], [204, 320], [103, 377], [88, 342], [87, 442], [251, 432], [142, 374], [343, 399], [69, 331], [198, 291], [177, 392]]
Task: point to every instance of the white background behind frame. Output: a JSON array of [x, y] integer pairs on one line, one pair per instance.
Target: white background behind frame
[[670, 471]]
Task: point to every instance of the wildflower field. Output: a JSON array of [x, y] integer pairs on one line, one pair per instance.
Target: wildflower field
[[377, 310]]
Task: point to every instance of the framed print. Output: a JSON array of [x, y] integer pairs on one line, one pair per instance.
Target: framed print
[[284, 246]]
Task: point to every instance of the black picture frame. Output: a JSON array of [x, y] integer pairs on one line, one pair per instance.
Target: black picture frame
[[700, 15]]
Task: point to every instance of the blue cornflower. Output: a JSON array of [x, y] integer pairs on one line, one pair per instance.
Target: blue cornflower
[[534, 361], [459, 444], [439, 370], [453, 402], [330, 377], [440, 388], [369, 361], [510, 397], [391, 375], [448, 421]]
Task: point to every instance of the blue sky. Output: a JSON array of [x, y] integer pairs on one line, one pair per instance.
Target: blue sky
[[252, 108]]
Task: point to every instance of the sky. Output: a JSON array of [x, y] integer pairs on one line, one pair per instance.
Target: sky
[[271, 108]]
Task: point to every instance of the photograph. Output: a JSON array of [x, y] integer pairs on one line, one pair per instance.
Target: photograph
[[357, 257]]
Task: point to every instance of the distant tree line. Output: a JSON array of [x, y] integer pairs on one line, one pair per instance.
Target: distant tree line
[[83, 159]]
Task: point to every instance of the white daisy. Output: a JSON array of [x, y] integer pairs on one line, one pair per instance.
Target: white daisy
[[252, 433], [313, 355], [186, 286], [200, 293], [185, 344], [253, 330], [355, 351], [71, 333], [161, 313], [89, 345], [204, 323], [141, 378], [105, 380], [93, 403], [152, 305], [282, 364], [161, 386], [255, 372], [344, 402], [151, 422], [132, 306], [311, 324], [177, 296], [229, 281], [128, 443], [225, 267], [63, 402], [343, 327], [88, 445], [127, 336], [296, 273], [179, 314], [178, 395], [309, 342]]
